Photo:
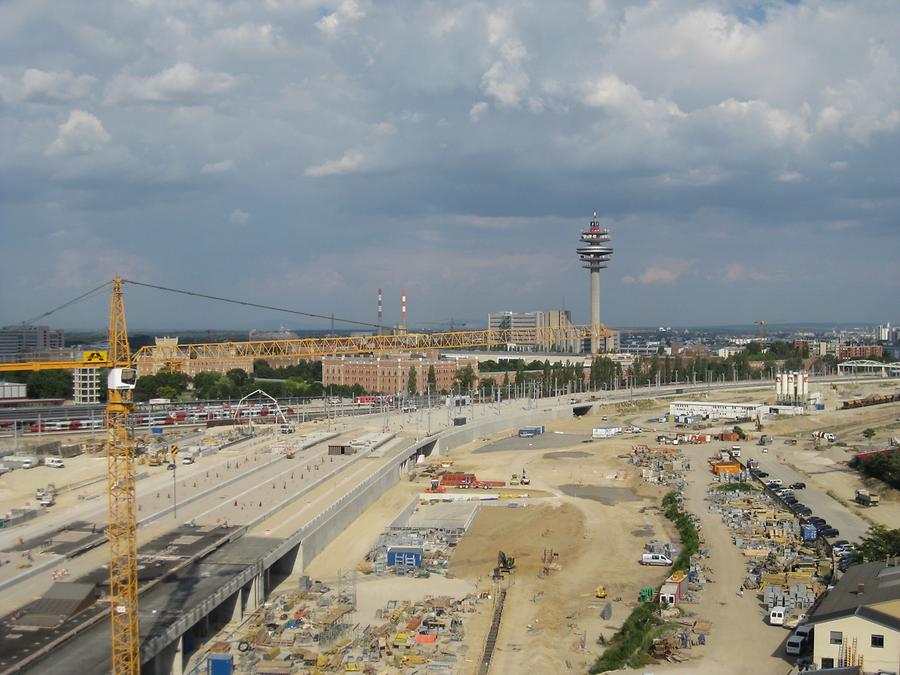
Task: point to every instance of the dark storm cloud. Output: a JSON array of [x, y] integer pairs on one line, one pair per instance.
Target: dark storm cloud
[[309, 152]]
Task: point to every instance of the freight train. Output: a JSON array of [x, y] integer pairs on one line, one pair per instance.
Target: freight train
[[877, 399]]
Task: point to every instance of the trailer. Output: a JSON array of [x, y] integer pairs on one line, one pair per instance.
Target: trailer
[[528, 432], [605, 432]]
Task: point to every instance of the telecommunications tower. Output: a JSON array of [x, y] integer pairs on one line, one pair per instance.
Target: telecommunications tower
[[594, 254]]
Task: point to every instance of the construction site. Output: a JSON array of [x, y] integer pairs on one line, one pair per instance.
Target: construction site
[[484, 545]]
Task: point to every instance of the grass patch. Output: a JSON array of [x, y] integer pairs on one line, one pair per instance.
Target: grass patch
[[738, 486], [629, 645], [834, 495], [690, 537]]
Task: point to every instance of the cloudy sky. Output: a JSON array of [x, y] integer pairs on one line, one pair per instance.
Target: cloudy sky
[[743, 153]]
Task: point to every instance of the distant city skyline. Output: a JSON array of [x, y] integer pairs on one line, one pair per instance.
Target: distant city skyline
[[743, 156]]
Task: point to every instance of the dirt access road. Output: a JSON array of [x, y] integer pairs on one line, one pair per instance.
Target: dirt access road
[[740, 643]]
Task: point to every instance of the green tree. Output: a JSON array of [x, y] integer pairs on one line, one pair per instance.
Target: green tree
[[411, 386], [49, 384], [432, 379], [879, 543], [869, 434], [464, 378], [238, 375], [170, 393]]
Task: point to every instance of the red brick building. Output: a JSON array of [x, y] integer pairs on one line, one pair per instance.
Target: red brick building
[[389, 373], [860, 351]]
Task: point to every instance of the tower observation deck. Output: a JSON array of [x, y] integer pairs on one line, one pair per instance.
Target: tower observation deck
[[594, 254]]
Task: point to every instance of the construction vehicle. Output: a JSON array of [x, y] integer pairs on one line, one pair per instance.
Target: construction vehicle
[[600, 592], [514, 480], [524, 480], [506, 563], [866, 498], [436, 487]]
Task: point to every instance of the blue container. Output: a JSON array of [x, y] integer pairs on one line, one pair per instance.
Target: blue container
[[809, 532], [404, 556], [220, 664], [156, 430], [820, 406]]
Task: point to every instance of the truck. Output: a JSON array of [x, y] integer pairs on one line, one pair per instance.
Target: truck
[[824, 435], [529, 432], [866, 498]]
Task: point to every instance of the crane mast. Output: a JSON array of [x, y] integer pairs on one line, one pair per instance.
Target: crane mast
[[122, 528]]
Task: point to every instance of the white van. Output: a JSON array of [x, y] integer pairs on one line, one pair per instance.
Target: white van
[[655, 559], [735, 451], [804, 632], [776, 616], [794, 645], [55, 462]]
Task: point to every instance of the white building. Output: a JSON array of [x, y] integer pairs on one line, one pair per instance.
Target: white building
[[717, 411], [12, 390], [858, 622], [86, 385], [725, 352]]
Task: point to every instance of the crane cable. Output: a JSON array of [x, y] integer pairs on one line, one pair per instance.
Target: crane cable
[[71, 302], [246, 303]]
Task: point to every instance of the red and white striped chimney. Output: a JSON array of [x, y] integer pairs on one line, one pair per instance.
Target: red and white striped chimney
[[380, 307], [403, 309]]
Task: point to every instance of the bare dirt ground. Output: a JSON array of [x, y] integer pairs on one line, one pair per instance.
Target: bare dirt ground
[[599, 536]]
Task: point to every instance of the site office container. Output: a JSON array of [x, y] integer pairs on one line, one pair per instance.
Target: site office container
[[220, 664]]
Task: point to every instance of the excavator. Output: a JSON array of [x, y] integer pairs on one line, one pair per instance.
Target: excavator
[[505, 565]]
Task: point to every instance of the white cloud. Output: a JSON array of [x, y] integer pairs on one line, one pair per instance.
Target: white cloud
[[780, 124], [81, 134], [477, 110], [224, 166], [347, 13], [613, 94], [385, 129], [239, 217], [349, 163], [791, 177], [181, 83], [506, 80], [52, 86], [738, 272], [661, 271], [249, 35]]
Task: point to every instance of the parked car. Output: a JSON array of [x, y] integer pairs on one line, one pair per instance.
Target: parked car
[[171, 466], [841, 544], [801, 509], [774, 483], [789, 499], [829, 531], [799, 485], [759, 473]]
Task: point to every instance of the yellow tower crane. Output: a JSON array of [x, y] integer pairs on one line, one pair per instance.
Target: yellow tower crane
[[122, 528]]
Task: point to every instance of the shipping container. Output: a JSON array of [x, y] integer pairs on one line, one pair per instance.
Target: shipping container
[[404, 556], [220, 664]]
